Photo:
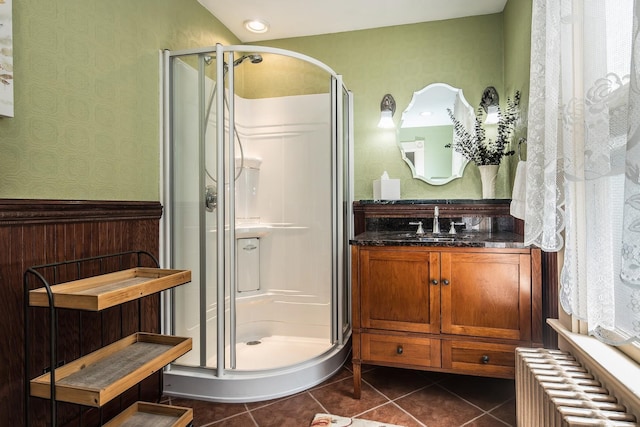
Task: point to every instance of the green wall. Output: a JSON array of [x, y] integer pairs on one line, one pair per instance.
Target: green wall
[[87, 78], [517, 47], [466, 53]]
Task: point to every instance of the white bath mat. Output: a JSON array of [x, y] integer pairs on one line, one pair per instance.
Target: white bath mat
[[327, 420]]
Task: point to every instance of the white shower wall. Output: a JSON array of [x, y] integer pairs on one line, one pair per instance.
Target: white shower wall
[[291, 136]]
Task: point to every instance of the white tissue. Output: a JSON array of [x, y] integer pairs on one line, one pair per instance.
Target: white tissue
[[386, 188]]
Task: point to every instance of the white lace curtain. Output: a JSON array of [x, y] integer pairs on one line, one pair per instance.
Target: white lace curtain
[[583, 163]]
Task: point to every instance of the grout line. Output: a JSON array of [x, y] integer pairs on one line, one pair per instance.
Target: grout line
[[318, 402], [476, 406], [412, 392], [375, 389], [371, 409], [253, 419], [392, 401], [274, 401], [408, 413], [482, 415], [219, 422], [323, 385]]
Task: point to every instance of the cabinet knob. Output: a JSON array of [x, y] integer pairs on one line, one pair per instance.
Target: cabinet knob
[[485, 359], [434, 282], [399, 350], [445, 282]]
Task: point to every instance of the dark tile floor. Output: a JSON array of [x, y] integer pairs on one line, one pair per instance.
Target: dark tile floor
[[396, 396]]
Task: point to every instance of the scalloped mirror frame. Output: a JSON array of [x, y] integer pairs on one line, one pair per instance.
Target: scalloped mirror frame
[[428, 109]]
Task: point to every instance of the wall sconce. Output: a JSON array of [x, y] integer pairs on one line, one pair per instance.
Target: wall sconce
[[387, 110], [489, 104]]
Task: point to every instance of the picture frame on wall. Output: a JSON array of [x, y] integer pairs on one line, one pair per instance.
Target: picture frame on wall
[[6, 59]]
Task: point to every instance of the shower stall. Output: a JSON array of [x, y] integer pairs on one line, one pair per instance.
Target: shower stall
[[257, 184]]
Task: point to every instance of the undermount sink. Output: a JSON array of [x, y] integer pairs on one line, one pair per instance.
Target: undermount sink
[[430, 237], [436, 239]]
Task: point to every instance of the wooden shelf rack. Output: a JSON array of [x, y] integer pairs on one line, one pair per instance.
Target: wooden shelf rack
[[108, 290], [96, 378], [143, 414]]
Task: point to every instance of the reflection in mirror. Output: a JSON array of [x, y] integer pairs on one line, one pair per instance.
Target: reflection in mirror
[[426, 129]]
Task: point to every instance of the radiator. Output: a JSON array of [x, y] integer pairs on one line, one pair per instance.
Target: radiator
[[553, 389]]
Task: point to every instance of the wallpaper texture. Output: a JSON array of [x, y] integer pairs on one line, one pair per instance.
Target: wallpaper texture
[[87, 113], [467, 53]]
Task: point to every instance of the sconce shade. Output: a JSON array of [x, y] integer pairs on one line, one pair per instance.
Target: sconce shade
[[387, 110], [489, 103], [386, 120]]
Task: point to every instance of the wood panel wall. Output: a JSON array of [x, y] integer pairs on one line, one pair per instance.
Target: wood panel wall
[[35, 232]]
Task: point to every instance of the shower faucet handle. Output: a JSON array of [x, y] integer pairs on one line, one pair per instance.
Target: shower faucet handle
[[210, 198]]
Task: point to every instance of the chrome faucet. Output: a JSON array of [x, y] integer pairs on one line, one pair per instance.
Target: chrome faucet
[[436, 222], [420, 230]]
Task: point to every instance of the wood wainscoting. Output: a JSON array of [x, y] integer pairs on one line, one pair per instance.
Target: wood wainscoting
[[35, 232]]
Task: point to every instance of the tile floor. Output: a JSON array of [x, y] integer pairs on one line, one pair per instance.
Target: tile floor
[[396, 396]]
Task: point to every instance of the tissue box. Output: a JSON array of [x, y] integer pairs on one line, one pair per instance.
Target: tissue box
[[386, 189]]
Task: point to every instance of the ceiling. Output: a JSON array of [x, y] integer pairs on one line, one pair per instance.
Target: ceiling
[[296, 18]]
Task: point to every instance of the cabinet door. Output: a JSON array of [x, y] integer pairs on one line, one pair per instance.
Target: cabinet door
[[400, 289], [486, 294]]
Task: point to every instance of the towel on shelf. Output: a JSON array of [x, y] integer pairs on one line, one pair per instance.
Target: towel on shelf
[[519, 190]]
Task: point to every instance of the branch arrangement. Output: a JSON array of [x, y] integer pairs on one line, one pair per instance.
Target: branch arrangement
[[473, 146]]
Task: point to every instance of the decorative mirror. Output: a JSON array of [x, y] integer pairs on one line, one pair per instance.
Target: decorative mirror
[[426, 129]]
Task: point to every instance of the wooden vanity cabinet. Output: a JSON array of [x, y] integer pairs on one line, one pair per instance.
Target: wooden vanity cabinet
[[460, 310]]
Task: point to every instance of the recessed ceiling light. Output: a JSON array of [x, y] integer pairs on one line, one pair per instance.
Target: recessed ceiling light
[[256, 26]]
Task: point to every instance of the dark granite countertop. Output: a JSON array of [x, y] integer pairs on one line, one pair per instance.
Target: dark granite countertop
[[436, 202], [468, 239]]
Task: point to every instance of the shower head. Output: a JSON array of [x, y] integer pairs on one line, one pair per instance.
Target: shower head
[[254, 58]]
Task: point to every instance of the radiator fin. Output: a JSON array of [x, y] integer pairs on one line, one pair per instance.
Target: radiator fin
[[554, 390]]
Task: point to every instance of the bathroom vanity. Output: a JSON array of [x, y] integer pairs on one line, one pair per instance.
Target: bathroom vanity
[[446, 302]]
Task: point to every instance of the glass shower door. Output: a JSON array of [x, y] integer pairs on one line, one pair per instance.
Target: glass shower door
[[193, 199]]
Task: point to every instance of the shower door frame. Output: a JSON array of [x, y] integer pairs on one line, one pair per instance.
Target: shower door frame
[[341, 199]]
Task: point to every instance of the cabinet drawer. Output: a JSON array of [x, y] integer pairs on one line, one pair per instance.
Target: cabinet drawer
[[479, 358], [400, 349]]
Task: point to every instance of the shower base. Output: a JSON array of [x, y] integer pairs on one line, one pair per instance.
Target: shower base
[[274, 352], [265, 380]]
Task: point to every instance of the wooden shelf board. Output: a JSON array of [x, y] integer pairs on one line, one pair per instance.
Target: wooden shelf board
[[98, 377], [143, 414], [108, 290]]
